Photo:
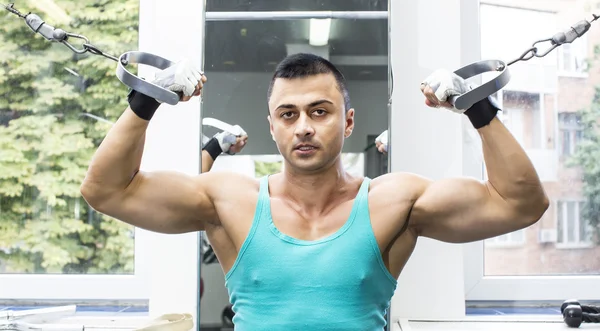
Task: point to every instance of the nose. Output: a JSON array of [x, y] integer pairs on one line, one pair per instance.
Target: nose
[[303, 127]]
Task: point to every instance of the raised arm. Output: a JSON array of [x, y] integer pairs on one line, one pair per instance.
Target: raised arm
[[464, 209], [161, 201], [222, 142]]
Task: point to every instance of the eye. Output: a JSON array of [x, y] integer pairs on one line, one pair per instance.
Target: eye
[[287, 114], [319, 112]]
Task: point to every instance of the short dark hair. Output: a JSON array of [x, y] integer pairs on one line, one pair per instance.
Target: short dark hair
[[304, 65]]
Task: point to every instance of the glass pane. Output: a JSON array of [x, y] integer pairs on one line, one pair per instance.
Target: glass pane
[[55, 108], [560, 222], [556, 125], [240, 60], [289, 5]]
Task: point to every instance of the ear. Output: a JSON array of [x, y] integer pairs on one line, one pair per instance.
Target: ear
[[349, 122], [271, 127]]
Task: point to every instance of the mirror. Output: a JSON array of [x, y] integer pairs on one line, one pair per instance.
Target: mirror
[[244, 42]]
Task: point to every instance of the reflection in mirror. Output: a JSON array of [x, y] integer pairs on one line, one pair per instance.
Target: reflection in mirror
[[241, 56]]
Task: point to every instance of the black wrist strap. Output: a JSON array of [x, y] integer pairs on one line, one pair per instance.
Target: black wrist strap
[[213, 148], [142, 105], [482, 112]]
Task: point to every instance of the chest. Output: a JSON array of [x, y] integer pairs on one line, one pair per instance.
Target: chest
[[304, 224]]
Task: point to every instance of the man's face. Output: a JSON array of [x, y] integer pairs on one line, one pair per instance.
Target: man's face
[[308, 121]]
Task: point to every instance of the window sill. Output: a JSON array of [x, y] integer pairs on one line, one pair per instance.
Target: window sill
[[575, 246], [572, 74], [503, 245]]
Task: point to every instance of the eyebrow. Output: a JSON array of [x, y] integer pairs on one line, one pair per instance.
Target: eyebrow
[[312, 104]]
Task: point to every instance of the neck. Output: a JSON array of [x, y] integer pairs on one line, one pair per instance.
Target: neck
[[317, 191]]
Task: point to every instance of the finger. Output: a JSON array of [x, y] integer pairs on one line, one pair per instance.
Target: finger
[[429, 94], [430, 104], [196, 74], [196, 86], [446, 104], [204, 79]]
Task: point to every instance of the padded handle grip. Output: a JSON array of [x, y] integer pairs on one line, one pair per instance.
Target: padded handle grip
[[136, 83], [466, 100]]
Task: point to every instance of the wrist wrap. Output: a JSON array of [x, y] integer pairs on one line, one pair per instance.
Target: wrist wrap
[[142, 105], [213, 148], [482, 112]]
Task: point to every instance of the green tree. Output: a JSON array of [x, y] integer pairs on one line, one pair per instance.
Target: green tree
[[262, 168], [47, 139], [587, 158]]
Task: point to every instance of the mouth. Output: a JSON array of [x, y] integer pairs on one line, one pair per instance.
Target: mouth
[[305, 148]]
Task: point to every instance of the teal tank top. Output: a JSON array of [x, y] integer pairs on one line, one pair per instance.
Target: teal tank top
[[335, 283]]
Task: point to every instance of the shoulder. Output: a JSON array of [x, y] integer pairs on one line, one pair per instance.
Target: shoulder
[[399, 185], [226, 185]]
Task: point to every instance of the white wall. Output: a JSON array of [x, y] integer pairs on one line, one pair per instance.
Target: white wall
[[173, 29], [445, 36]]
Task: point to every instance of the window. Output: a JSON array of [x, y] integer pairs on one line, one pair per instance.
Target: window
[[572, 229], [55, 109], [571, 132], [523, 116], [562, 243], [572, 57], [516, 238]]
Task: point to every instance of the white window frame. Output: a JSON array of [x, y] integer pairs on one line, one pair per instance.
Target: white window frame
[[166, 266], [83, 287], [440, 277], [41, 287], [578, 243]]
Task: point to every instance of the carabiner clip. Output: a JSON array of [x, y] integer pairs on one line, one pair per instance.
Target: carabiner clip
[[71, 47], [554, 45]]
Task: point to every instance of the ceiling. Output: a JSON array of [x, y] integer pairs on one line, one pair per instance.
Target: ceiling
[[257, 46]]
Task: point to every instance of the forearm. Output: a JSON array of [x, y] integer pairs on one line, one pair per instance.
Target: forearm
[[118, 157], [207, 161], [509, 169]]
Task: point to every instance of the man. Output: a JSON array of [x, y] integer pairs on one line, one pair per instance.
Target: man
[[311, 247]]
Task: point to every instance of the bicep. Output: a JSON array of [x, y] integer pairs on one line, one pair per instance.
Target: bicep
[[461, 210], [165, 202]]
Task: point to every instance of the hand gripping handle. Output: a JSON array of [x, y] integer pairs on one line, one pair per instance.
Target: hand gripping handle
[[136, 83], [466, 100]]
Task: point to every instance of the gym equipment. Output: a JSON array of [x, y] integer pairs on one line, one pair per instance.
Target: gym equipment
[[466, 100], [42, 320], [585, 308], [575, 313], [463, 101], [132, 57]]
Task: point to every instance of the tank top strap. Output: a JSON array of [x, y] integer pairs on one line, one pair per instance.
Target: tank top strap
[[263, 206], [363, 191]]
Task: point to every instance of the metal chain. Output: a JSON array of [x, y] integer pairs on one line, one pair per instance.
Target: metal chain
[[558, 39], [59, 35]]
